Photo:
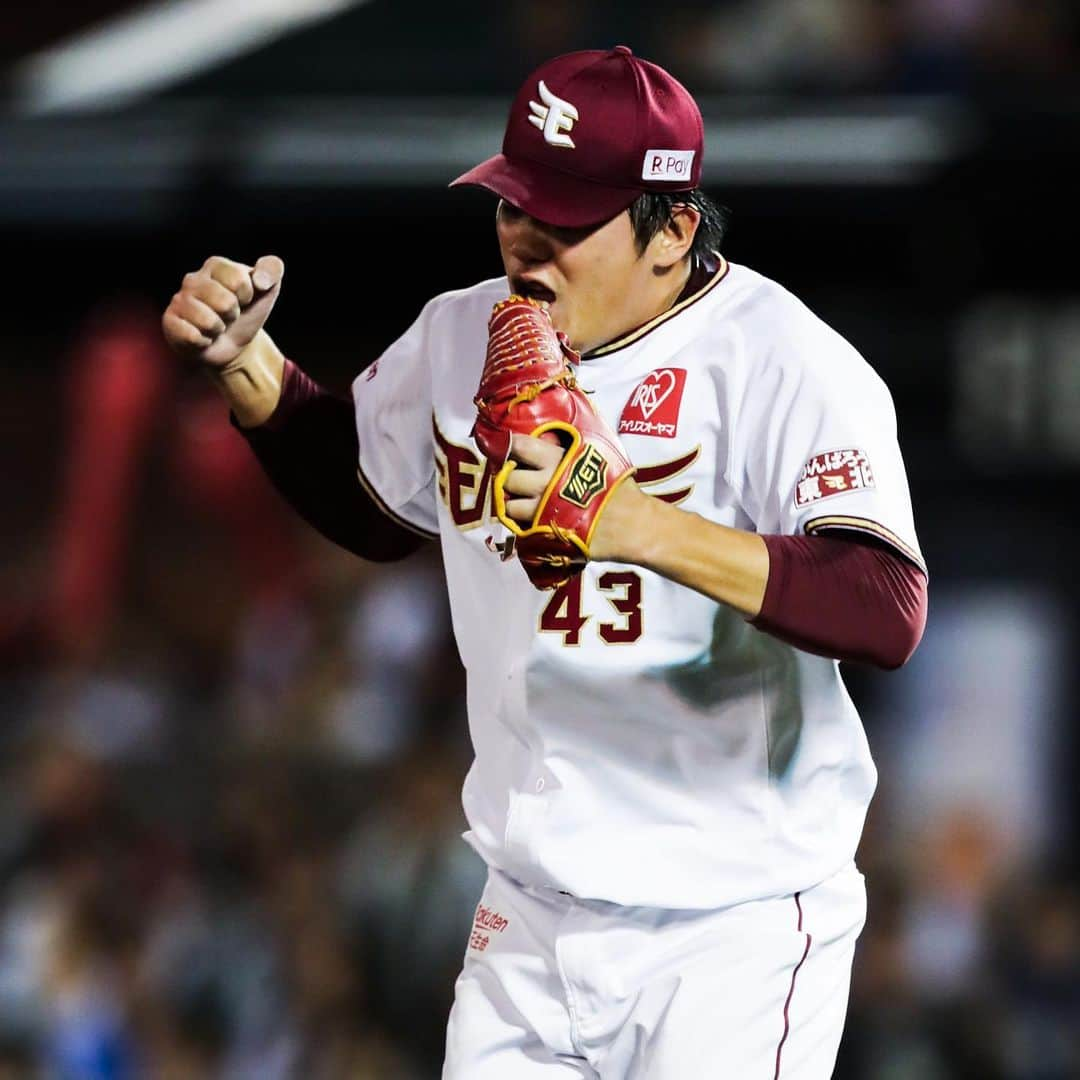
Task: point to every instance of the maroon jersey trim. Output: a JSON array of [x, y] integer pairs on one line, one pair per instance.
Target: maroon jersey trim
[[397, 519], [682, 305], [868, 526]]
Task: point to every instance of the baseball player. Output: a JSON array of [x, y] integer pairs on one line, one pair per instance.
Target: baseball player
[[669, 499]]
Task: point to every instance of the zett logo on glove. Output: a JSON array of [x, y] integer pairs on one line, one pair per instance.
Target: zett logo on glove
[[586, 479]]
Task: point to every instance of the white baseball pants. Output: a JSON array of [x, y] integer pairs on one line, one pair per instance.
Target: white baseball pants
[[558, 987]]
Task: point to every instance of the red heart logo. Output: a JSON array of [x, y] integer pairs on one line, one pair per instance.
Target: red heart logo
[[653, 408]]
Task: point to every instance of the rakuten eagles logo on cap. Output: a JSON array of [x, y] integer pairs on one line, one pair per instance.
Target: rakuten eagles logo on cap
[[553, 118]]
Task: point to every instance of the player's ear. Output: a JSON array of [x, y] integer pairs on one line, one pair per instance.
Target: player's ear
[[673, 242]]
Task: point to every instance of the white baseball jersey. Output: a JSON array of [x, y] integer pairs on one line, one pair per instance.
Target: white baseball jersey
[[635, 741]]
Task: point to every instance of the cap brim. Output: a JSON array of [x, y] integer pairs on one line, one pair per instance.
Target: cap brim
[[547, 194]]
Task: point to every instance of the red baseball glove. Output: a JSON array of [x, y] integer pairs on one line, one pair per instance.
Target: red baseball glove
[[529, 387]]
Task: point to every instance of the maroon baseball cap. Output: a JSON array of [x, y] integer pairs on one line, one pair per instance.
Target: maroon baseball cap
[[588, 133]]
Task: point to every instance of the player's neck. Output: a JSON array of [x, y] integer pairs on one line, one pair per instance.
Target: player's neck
[[667, 289], [682, 274], [701, 273], [693, 275], [688, 278]]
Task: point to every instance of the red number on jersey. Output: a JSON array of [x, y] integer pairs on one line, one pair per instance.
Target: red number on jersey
[[629, 605], [562, 615]]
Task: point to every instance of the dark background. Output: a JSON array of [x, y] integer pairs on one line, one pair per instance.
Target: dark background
[[231, 754]]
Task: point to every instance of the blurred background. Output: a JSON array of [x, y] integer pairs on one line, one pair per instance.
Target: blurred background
[[229, 808]]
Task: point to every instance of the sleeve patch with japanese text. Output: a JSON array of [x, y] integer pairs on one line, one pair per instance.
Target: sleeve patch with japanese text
[[833, 473]]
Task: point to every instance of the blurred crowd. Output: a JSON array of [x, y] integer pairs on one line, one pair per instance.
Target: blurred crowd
[[984, 48], [232, 756]]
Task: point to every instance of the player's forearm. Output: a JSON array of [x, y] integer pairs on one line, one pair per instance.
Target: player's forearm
[[251, 384], [844, 596], [838, 597], [728, 565]]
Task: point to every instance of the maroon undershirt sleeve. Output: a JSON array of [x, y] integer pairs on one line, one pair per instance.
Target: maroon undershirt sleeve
[[309, 450], [850, 599]]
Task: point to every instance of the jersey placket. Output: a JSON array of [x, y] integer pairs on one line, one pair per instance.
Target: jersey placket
[[529, 801], [527, 809]]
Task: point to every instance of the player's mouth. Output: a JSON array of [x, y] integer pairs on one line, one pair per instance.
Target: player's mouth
[[534, 290]]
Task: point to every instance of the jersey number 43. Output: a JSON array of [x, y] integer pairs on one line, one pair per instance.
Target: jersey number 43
[[622, 590]]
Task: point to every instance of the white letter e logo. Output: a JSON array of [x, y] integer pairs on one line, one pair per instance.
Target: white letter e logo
[[553, 118]]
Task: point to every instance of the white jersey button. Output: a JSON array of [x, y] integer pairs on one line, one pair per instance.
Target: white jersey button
[[539, 785]]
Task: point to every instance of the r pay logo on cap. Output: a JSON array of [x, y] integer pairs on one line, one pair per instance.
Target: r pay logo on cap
[[667, 165]]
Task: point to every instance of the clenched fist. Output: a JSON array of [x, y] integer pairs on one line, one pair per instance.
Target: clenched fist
[[220, 308], [216, 320]]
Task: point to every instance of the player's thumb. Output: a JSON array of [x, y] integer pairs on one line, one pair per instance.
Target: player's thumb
[[266, 278], [268, 272]]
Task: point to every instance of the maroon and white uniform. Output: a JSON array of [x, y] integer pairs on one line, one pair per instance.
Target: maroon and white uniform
[[639, 745], [668, 796]]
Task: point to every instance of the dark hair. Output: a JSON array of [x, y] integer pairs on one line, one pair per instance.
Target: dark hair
[[651, 211]]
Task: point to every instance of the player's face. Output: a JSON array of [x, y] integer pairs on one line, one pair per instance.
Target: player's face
[[595, 281]]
